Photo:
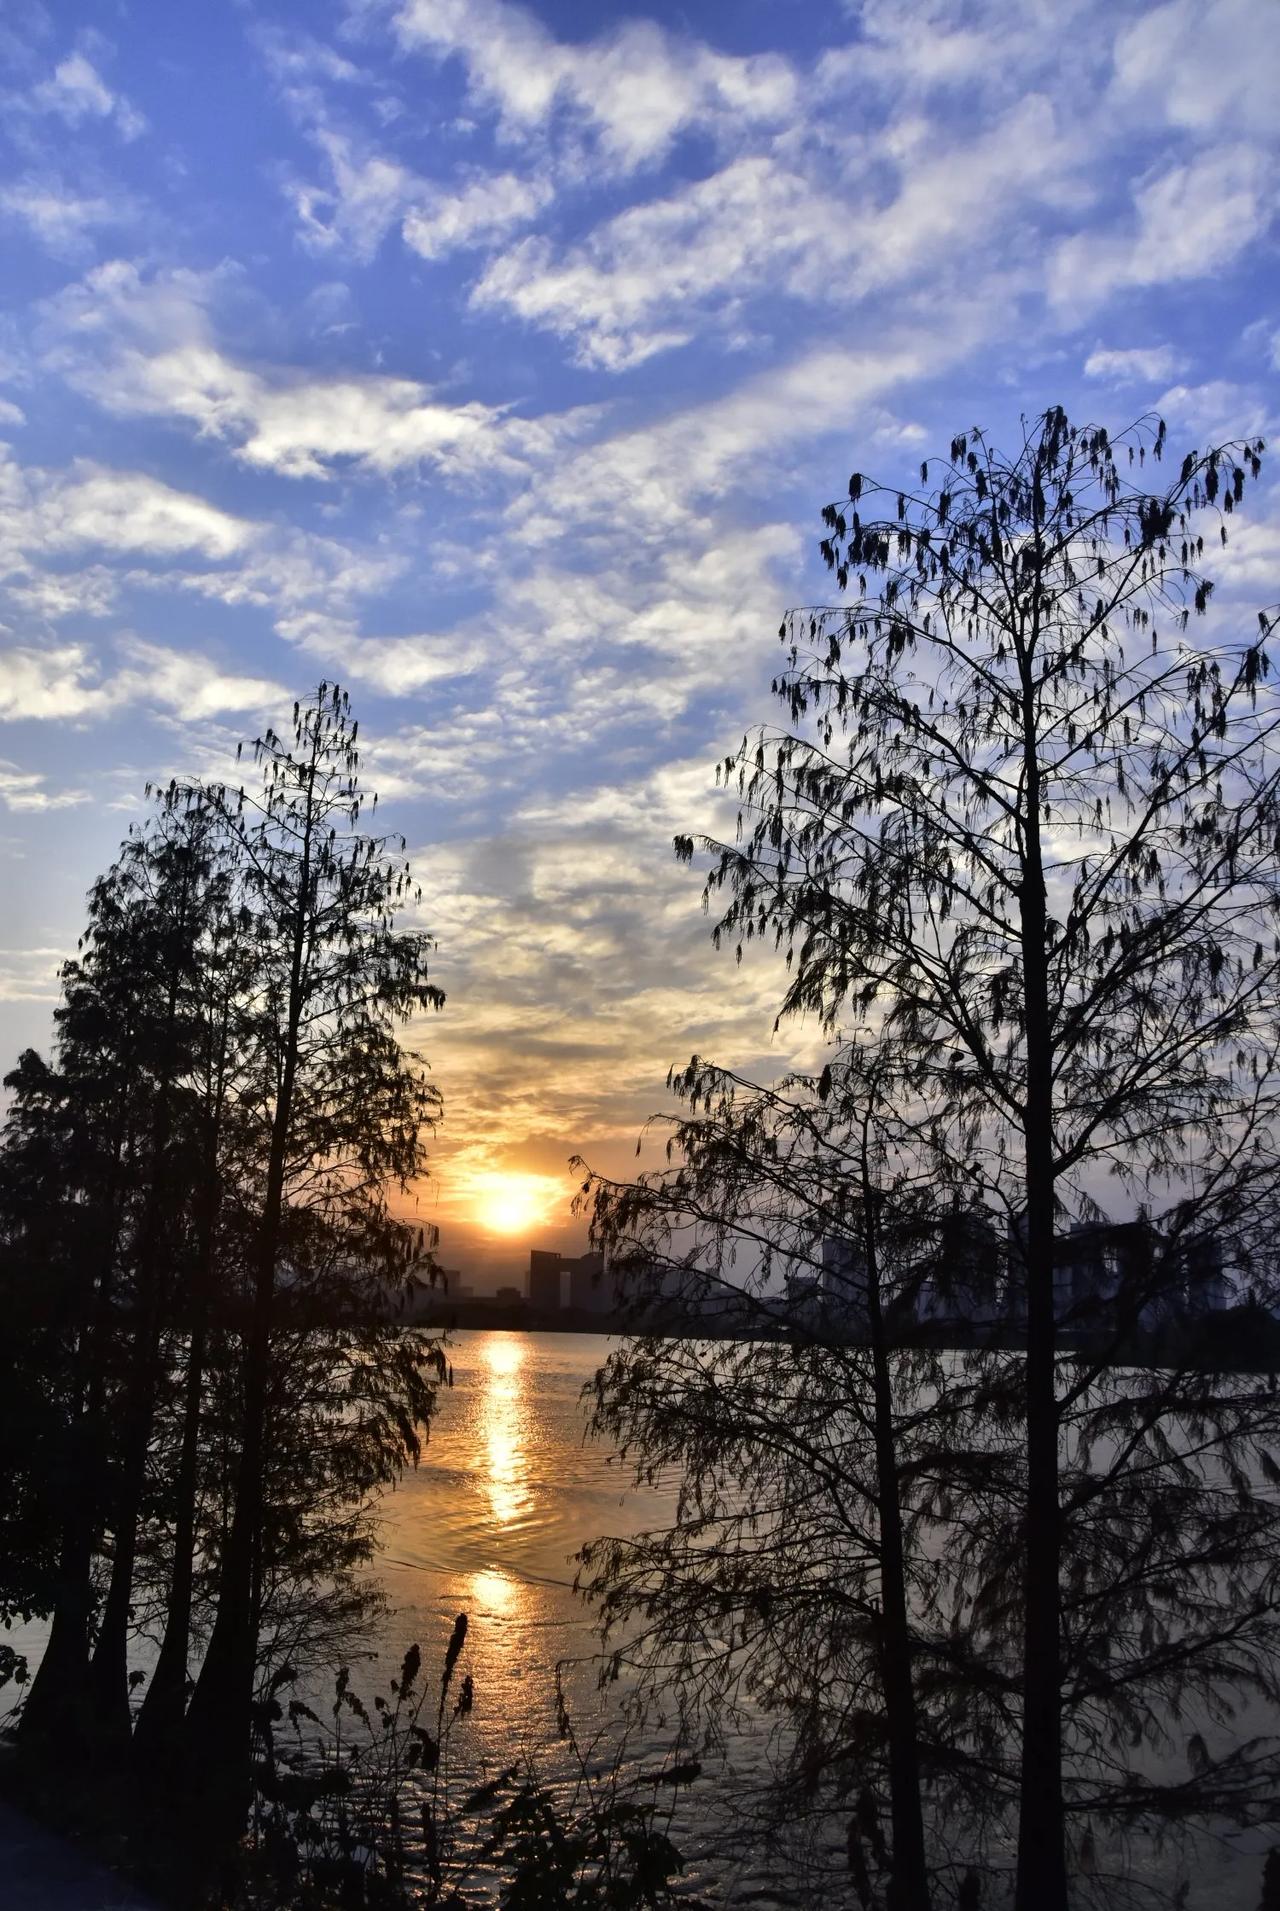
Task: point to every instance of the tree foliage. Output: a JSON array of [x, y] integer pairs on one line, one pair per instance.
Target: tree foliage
[[198, 1209], [1017, 842]]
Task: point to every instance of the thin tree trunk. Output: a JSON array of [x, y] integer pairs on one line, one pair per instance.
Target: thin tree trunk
[[158, 1731], [109, 1674], [1041, 1873], [219, 1720], [109, 1666], [159, 1722], [909, 1879], [56, 1714]]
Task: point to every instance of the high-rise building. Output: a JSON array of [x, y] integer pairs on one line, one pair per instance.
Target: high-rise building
[[589, 1291], [844, 1282], [544, 1280], [588, 1288]]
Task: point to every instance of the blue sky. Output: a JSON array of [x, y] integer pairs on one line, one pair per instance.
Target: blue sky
[[497, 360]]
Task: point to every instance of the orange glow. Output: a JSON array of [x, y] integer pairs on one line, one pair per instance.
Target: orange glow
[[494, 1593], [504, 1415], [514, 1203]]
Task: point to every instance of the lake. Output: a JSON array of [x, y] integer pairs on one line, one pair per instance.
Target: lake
[[507, 1491], [487, 1524]]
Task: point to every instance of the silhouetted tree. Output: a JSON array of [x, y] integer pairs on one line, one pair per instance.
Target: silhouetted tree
[[198, 1241], [819, 1453], [102, 1122], [45, 1241], [219, 1138], [342, 1115], [1022, 834], [162, 895]]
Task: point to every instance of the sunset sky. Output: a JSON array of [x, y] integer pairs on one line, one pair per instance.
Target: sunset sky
[[496, 360]]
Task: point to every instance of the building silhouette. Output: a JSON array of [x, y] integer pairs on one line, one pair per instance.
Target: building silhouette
[[544, 1280], [589, 1293]]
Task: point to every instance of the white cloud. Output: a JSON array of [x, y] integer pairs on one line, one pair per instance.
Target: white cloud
[[905, 51], [1216, 411], [130, 511], [659, 476], [486, 208], [48, 595], [57, 683], [58, 215], [299, 62], [32, 975], [69, 683], [762, 225], [146, 347], [1149, 363], [1190, 221], [77, 92], [617, 293], [393, 666], [634, 87], [369, 194], [26, 790], [383, 424], [192, 686], [1209, 65]]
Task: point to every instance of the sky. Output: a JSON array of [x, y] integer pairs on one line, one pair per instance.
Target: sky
[[496, 360]]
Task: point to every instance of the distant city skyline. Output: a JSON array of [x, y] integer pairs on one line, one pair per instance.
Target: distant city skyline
[[496, 360]]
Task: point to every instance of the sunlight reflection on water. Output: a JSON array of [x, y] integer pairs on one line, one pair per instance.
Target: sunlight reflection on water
[[504, 1413], [508, 1490]]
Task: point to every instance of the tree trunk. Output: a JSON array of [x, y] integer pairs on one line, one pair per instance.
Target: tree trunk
[[56, 1715], [158, 1733], [218, 1727], [55, 1719], [109, 1673], [1041, 1874], [109, 1666], [159, 1723], [909, 1880]]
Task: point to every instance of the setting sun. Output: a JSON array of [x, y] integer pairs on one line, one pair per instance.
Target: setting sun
[[512, 1203]]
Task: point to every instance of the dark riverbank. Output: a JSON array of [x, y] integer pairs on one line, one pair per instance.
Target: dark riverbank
[[41, 1870], [1236, 1339]]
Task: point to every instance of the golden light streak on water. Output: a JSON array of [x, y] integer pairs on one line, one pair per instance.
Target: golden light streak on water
[[494, 1595], [504, 1416]]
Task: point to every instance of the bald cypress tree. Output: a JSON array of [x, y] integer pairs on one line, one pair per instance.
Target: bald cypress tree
[[1021, 830], [807, 1565], [200, 1238], [342, 1117], [106, 1120]]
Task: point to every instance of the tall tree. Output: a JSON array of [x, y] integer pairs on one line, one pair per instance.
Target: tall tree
[[163, 889], [217, 1143], [1023, 831], [95, 1112], [46, 1238], [805, 1562], [342, 1115]]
